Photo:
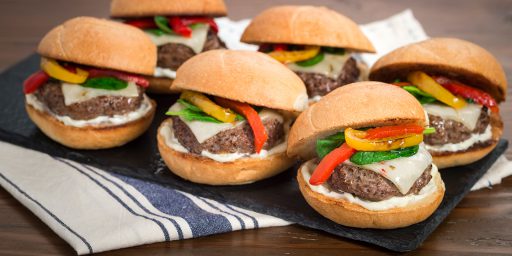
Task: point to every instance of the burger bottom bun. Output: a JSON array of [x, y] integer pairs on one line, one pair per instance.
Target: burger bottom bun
[[204, 170], [90, 137], [447, 160], [160, 85], [349, 214]]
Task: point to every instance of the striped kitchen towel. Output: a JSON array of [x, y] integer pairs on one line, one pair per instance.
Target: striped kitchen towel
[[96, 211]]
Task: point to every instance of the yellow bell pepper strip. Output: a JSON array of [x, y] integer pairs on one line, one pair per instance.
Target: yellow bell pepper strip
[[209, 107], [55, 70], [294, 56], [430, 86], [357, 140], [252, 117], [326, 166]]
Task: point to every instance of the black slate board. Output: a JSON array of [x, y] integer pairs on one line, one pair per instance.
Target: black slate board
[[278, 196]]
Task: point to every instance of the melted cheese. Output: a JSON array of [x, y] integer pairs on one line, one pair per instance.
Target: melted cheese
[[195, 42], [468, 115], [402, 171], [390, 203], [331, 65], [463, 145], [74, 93], [205, 130], [164, 72]]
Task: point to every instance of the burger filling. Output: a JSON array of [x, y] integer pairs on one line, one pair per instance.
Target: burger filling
[[80, 96], [462, 115], [178, 39], [322, 69], [249, 132], [377, 168]]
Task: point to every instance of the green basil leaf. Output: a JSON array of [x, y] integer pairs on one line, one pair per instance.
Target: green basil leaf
[[311, 62], [334, 50], [326, 145], [163, 24], [420, 95], [155, 31], [105, 83], [189, 105], [368, 157], [190, 115], [429, 130]]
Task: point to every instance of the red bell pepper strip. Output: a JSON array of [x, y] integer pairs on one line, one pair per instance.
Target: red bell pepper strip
[[179, 27], [401, 84], [194, 20], [468, 92], [119, 75], [393, 131], [326, 167], [252, 117], [142, 23], [280, 47], [35, 81]]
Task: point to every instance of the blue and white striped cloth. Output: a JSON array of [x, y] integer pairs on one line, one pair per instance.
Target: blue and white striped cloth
[[96, 211]]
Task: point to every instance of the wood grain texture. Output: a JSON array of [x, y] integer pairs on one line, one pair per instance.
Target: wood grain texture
[[481, 223]]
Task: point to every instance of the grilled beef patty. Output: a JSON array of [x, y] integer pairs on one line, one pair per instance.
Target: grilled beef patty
[[320, 85], [50, 94], [173, 55], [449, 131], [237, 140], [369, 185]]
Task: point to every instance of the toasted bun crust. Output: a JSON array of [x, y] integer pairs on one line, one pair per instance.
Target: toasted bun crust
[[454, 58], [160, 85], [294, 25], [141, 8], [100, 43], [349, 214], [245, 76], [207, 171], [90, 137], [462, 158], [354, 105]]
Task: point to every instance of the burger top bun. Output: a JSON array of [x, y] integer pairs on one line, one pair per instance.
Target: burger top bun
[[141, 8], [354, 105], [308, 25], [100, 43], [451, 57], [244, 76]]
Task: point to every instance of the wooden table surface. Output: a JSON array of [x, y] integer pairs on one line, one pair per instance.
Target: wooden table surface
[[481, 224]]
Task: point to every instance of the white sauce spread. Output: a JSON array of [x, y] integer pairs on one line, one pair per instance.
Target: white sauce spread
[[74, 93], [467, 115], [393, 202], [463, 145], [205, 130], [402, 171], [195, 42], [144, 108]]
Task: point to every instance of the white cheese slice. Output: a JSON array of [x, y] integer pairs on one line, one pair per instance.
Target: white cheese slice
[[402, 171], [164, 72], [330, 66], [74, 93], [195, 42], [205, 130], [467, 115]]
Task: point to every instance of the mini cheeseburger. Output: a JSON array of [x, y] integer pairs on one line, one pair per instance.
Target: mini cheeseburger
[[367, 165], [317, 43], [180, 29], [230, 125], [89, 93], [459, 85]]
